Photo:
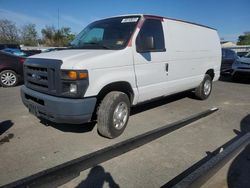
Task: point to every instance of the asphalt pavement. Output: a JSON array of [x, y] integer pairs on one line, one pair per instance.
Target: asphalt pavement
[[28, 146]]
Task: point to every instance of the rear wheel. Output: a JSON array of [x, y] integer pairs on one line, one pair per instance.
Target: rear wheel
[[203, 91], [113, 114], [8, 78]]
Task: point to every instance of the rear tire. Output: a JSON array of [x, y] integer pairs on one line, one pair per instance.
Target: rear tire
[[8, 78], [113, 114], [203, 91]]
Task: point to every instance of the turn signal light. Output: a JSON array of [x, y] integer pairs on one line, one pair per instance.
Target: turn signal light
[[83, 75]]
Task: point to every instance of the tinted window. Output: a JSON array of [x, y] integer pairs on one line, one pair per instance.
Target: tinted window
[[223, 53], [151, 28], [230, 54]]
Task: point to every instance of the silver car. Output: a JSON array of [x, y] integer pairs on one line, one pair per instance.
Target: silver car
[[241, 66]]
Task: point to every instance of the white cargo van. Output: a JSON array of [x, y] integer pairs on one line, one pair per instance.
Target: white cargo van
[[119, 62]]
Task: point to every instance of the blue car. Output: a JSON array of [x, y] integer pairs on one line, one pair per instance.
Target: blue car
[[14, 51]]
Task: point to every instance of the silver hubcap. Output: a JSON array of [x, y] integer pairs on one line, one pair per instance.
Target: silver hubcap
[[8, 78], [207, 87], [120, 115]]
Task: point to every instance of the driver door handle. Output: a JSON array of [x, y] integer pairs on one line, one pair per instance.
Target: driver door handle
[[166, 67]]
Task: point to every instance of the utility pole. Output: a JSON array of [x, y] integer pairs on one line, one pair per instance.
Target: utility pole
[[58, 27], [58, 19]]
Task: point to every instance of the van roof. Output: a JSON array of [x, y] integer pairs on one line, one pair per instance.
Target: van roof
[[168, 18]]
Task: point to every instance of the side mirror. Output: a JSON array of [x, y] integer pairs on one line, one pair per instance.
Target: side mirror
[[149, 43], [146, 44]]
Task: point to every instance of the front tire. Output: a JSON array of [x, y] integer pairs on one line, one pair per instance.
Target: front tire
[[203, 91], [8, 78], [113, 114]]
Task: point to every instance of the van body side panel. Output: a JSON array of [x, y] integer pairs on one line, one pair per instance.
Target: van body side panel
[[192, 50]]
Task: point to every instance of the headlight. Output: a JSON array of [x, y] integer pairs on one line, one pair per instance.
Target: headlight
[[74, 83]]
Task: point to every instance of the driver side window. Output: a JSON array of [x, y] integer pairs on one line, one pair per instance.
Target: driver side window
[[151, 28]]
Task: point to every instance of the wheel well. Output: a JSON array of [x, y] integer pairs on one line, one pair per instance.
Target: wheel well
[[124, 87], [210, 72], [7, 68]]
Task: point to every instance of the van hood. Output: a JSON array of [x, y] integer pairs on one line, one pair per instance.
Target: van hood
[[72, 57]]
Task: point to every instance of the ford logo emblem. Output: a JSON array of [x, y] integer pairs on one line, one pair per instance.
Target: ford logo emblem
[[36, 77]]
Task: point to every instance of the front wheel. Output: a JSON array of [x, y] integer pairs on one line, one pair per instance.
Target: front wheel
[[203, 91], [8, 78], [113, 114]]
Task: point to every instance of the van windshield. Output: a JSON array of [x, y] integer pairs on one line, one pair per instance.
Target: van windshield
[[111, 33]]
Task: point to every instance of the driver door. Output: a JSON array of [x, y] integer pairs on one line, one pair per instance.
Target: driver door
[[150, 63]]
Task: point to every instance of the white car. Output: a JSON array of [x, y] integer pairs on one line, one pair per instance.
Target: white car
[[119, 62], [241, 66]]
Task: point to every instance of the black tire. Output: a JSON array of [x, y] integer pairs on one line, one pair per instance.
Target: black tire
[[201, 91], [14, 78], [235, 77], [106, 112]]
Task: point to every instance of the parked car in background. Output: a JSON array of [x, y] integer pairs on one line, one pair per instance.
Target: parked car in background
[[228, 58], [14, 51], [11, 69], [31, 52], [241, 66]]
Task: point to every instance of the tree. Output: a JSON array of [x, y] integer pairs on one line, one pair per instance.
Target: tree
[[8, 32], [48, 35], [244, 39], [53, 37], [65, 36], [29, 35]]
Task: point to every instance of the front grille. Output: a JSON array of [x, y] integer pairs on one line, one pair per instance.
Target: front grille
[[37, 77], [42, 75], [40, 78]]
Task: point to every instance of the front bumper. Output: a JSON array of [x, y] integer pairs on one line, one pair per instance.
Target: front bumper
[[58, 109], [241, 71]]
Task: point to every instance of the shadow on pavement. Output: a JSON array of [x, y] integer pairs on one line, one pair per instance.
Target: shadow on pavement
[[5, 125], [241, 79], [97, 177], [239, 171], [160, 102], [73, 128]]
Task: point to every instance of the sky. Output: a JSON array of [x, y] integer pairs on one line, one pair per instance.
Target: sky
[[230, 17]]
